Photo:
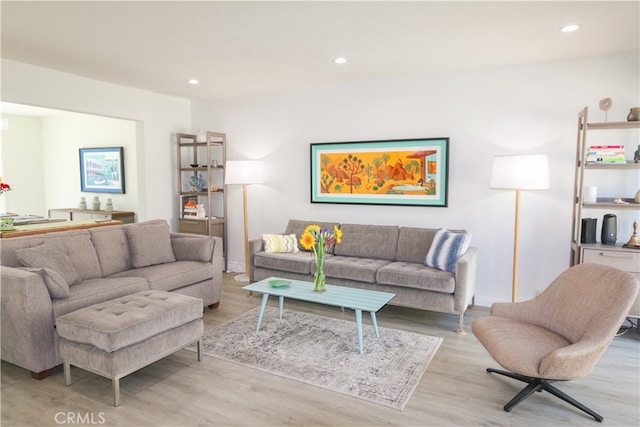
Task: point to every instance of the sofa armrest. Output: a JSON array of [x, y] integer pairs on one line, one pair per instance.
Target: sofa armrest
[[255, 246], [192, 247], [465, 279], [196, 247], [28, 335]]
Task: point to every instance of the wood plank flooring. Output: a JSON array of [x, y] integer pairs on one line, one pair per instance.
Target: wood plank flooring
[[454, 391]]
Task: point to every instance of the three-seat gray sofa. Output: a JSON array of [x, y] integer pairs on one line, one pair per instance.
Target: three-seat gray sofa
[[377, 257], [47, 275]]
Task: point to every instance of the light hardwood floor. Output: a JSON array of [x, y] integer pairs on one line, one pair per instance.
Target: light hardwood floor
[[454, 391]]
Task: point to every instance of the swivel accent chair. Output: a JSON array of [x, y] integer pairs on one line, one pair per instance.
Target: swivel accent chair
[[561, 334]]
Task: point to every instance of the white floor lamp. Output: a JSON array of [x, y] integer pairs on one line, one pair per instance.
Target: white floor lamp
[[520, 172], [243, 172]]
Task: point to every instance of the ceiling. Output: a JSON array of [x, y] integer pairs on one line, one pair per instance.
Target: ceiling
[[237, 48]]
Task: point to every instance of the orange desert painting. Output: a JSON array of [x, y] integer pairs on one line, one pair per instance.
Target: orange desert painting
[[373, 172]]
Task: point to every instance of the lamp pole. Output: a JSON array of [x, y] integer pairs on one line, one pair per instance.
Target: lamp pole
[[516, 244]]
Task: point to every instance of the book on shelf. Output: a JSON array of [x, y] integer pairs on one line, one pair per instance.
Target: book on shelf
[[599, 154]]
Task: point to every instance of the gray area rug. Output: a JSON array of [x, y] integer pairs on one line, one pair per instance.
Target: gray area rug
[[323, 352]]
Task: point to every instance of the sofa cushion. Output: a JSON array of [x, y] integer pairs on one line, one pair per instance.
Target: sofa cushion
[[416, 275], [98, 290], [192, 248], [55, 283], [112, 248], [297, 227], [172, 275], [150, 243], [352, 268], [446, 248], [368, 241], [79, 248], [48, 255], [9, 247], [280, 243], [414, 243], [296, 263]]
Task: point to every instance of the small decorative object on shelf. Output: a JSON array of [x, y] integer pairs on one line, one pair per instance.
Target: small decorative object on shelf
[[605, 105], [109, 205], [96, 203], [636, 155], [320, 241], [634, 115], [197, 182], [83, 203], [633, 242]]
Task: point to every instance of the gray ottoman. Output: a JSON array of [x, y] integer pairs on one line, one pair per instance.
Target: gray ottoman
[[118, 337]]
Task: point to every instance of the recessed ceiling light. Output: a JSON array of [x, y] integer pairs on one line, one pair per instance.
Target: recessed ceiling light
[[193, 82], [569, 28], [340, 60]]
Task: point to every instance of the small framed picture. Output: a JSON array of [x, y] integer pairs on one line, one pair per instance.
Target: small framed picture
[[102, 170]]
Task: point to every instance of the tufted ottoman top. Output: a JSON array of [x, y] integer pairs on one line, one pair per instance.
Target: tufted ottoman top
[[127, 320]]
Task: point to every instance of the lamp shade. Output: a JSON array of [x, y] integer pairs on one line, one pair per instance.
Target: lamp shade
[[243, 172], [520, 172]]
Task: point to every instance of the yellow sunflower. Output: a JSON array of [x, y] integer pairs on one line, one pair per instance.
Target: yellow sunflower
[[307, 240], [338, 234], [313, 229]]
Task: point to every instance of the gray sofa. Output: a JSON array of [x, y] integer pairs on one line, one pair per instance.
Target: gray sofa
[[381, 258], [45, 276]]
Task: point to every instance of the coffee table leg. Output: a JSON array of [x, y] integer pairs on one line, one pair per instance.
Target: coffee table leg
[[265, 297], [280, 305], [375, 323], [359, 324]]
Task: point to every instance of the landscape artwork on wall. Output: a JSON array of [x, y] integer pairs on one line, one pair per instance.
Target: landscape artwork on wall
[[102, 170], [392, 172]]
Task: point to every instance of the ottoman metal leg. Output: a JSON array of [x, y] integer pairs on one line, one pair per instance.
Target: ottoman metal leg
[[198, 346], [115, 383]]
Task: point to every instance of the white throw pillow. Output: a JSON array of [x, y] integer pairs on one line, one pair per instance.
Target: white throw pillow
[[447, 247]]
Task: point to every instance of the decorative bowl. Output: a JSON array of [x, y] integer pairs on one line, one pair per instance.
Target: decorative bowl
[[6, 224], [279, 283], [194, 165]]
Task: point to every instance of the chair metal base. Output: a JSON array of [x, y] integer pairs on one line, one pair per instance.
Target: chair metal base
[[540, 384]]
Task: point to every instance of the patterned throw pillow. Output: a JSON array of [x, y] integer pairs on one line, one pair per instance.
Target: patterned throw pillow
[[446, 248], [280, 243]]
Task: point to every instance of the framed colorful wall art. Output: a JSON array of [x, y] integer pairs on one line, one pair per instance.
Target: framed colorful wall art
[[102, 170], [411, 172]]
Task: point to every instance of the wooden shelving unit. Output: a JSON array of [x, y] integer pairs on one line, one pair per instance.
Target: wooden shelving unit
[[626, 259], [201, 165]]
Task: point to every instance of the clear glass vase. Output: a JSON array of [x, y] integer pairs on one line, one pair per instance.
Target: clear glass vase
[[319, 283]]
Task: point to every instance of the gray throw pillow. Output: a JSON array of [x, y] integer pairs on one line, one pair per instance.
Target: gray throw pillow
[[55, 283], [48, 255], [150, 244], [193, 248]]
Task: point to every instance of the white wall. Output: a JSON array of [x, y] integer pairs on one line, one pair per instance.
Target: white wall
[[486, 112], [157, 118], [63, 135], [23, 166]]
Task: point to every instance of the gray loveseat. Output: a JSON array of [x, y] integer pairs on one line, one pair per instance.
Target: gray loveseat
[[47, 275], [377, 257]]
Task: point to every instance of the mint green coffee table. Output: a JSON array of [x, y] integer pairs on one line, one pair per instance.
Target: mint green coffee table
[[356, 299]]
